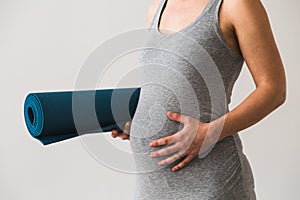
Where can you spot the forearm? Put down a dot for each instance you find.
(261, 102)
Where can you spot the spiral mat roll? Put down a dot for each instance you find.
(49, 116)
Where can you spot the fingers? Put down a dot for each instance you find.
(177, 117)
(114, 133)
(163, 141)
(127, 127)
(183, 163)
(165, 151)
(184, 141)
(172, 158)
(123, 135)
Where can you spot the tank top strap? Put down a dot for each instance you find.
(214, 15)
(156, 16)
(212, 8)
(213, 4)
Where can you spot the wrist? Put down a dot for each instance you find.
(215, 129)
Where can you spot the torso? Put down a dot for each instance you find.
(191, 72)
(180, 13)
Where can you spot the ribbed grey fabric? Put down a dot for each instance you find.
(178, 75)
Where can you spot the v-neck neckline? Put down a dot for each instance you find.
(161, 10)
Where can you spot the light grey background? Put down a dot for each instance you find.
(42, 46)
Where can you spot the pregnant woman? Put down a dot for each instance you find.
(178, 153)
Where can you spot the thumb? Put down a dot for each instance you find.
(176, 116)
(127, 127)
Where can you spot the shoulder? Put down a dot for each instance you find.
(242, 5)
(152, 9)
(244, 11)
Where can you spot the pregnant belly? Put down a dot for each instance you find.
(151, 122)
(165, 89)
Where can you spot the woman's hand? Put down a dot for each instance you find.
(187, 142)
(124, 135)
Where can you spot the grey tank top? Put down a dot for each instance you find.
(192, 72)
(199, 54)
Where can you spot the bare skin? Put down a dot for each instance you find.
(124, 135)
(246, 28)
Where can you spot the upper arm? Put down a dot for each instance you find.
(256, 42)
(151, 11)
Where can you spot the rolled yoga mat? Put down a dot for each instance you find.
(55, 116)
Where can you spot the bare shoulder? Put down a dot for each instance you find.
(244, 11)
(152, 9)
(243, 19)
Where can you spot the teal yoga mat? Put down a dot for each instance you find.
(56, 116)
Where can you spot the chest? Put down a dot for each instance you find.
(176, 16)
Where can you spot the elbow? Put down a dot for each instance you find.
(277, 94)
(280, 96)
